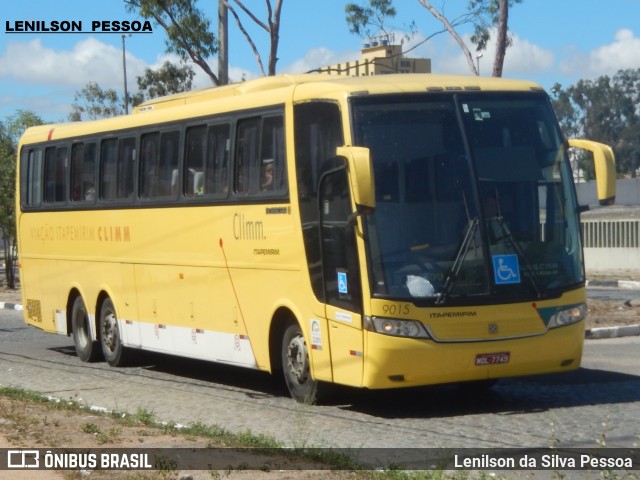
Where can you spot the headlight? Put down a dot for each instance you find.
(396, 328)
(568, 316)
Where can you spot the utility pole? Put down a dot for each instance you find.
(223, 45)
(124, 71)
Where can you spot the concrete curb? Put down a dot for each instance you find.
(10, 306)
(625, 284)
(612, 332)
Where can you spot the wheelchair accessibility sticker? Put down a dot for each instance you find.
(342, 283)
(506, 269)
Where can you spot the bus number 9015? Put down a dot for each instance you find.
(396, 308)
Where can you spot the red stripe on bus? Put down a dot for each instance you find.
(50, 134)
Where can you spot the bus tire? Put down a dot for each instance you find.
(86, 348)
(110, 338)
(296, 368)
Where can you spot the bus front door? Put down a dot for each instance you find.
(341, 277)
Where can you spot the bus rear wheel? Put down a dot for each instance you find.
(110, 338)
(86, 348)
(296, 367)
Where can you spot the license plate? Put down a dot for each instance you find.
(492, 358)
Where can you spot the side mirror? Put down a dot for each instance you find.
(605, 168)
(361, 176)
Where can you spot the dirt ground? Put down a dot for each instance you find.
(30, 424)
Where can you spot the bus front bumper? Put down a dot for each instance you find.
(393, 362)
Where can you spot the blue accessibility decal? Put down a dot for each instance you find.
(506, 269)
(342, 283)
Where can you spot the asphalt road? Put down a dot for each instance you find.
(601, 399)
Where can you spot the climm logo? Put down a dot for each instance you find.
(244, 229)
(114, 234)
(81, 233)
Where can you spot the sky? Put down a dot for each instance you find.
(554, 41)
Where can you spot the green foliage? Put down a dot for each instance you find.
(166, 80)
(606, 110)
(146, 417)
(90, 428)
(10, 132)
(361, 19)
(485, 15)
(7, 183)
(186, 26)
(188, 29)
(94, 103)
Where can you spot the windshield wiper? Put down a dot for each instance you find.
(511, 241)
(454, 271)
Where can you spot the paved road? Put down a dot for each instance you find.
(573, 409)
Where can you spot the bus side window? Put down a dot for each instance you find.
(207, 161)
(159, 160)
(247, 155)
(125, 169)
(168, 177)
(272, 157)
(55, 174)
(196, 151)
(217, 168)
(83, 172)
(150, 146)
(33, 173)
(260, 156)
(108, 169)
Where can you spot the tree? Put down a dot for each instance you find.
(607, 110)
(187, 28)
(10, 133)
(360, 19)
(484, 15)
(166, 80)
(95, 103)
(189, 35)
(271, 26)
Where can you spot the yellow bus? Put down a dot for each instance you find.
(375, 232)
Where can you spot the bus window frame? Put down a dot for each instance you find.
(205, 196)
(84, 198)
(55, 159)
(136, 200)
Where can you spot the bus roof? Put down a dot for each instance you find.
(390, 83)
(248, 94)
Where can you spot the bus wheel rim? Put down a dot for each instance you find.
(297, 359)
(109, 331)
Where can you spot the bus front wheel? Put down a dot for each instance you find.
(110, 337)
(296, 367)
(86, 348)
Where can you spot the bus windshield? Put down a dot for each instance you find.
(473, 198)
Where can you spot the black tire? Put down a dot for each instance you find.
(114, 352)
(296, 369)
(86, 348)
